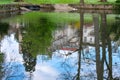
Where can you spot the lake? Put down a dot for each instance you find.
(39, 45)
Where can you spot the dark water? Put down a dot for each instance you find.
(59, 46)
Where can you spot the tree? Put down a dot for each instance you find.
(103, 0)
(18, 0)
(1, 67)
(97, 47)
(81, 1)
(80, 44)
(105, 40)
(38, 36)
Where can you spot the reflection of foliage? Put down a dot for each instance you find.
(36, 39)
(38, 36)
(117, 1)
(1, 61)
(3, 28)
(30, 62)
(117, 7)
(115, 28)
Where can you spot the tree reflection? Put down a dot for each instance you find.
(103, 41)
(29, 61)
(1, 62)
(97, 47)
(102, 35)
(37, 37)
(115, 28)
(80, 44)
(36, 40)
(3, 29)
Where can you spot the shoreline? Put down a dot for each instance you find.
(64, 7)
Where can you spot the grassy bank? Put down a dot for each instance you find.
(57, 1)
(6, 1)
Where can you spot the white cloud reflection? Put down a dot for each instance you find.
(45, 72)
(12, 59)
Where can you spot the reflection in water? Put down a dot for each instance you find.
(3, 29)
(1, 62)
(29, 63)
(43, 48)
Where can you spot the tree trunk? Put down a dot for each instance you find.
(97, 47)
(103, 39)
(80, 44)
(110, 59)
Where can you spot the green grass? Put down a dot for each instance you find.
(54, 17)
(98, 2)
(58, 1)
(6, 1)
(51, 1)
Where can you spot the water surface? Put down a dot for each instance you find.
(46, 45)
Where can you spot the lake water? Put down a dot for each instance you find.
(59, 45)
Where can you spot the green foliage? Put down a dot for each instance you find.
(38, 30)
(3, 28)
(117, 1)
(115, 28)
(6, 1)
(38, 36)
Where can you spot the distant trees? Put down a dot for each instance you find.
(81, 1)
(103, 0)
(117, 1)
(18, 0)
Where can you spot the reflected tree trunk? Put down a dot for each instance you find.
(103, 40)
(80, 44)
(97, 47)
(110, 59)
(29, 60)
(106, 39)
(1, 63)
(1, 72)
